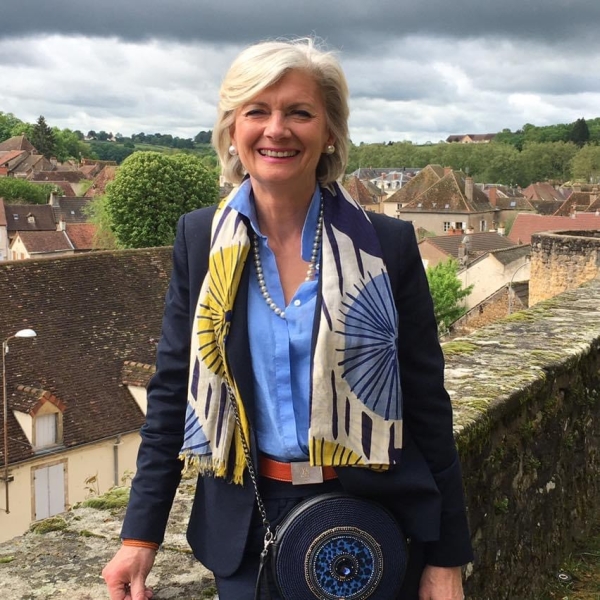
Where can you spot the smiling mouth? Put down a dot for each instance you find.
(278, 153)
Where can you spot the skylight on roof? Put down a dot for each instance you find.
(513, 203)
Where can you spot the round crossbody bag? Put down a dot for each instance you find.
(337, 546)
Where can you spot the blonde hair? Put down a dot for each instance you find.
(260, 66)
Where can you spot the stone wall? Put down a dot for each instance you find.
(562, 261)
(526, 393)
(526, 396)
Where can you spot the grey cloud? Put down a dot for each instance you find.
(354, 25)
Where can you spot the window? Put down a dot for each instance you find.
(482, 226)
(46, 430)
(447, 225)
(460, 225)
(16, 217)
(513, 203)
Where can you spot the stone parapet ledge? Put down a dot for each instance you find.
(526, 397)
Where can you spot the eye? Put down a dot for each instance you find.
(303, 114)
(255, 112)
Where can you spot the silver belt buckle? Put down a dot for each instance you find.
(303, 473)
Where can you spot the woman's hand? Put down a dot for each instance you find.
(441, 583)
(126, 573)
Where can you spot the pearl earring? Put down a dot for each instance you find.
(232, 150)
(329, 149)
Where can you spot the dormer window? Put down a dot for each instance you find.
(31, 219)
(16, 217)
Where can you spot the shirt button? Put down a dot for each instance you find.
(297, 302)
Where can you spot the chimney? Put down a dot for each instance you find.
(501, 229)
(576, 187)
(53, 199)
(53, 161)
(62, 225)
(469, 188)
(447, 171)
(493, 196)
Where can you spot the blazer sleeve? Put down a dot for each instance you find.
(158, 466)
(427, 411)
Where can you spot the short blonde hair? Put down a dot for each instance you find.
(260, 66)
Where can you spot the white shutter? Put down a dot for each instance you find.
(42, 508)
(49, 491)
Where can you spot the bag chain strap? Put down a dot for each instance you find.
(269, 535)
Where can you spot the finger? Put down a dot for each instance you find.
(117, 591)
(138, 590)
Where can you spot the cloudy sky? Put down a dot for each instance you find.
(417, 71)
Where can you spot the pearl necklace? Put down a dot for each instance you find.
(310, 273)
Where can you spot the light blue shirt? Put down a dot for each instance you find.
(280, 348)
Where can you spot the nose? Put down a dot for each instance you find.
(276, 127)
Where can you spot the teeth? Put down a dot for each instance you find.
(274, 154)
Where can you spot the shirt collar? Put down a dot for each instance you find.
(243, 202)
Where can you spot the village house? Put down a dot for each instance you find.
(441, 200)
(470, 138)
(75, 392)
(44, 230)
(488, 261)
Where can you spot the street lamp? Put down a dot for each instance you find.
(22, 333)
(510, 285)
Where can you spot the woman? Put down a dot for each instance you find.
(317, 321)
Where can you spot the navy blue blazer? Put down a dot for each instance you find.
(424, 491)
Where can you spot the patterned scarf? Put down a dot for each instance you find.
(356, 400)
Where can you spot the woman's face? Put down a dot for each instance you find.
(281, 133)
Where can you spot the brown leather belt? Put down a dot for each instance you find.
(297, 473)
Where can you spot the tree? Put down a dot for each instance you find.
(69, 145)
(151, 191)
(8, 122)
(580, 134)
(586, 164)
(97, 213)
(19, 191)
(43, 138)
(447, 293)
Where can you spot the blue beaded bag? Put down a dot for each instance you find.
(337, 546)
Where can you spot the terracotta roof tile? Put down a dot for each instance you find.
(139, 374)
(448, 194)
(105, 176)
(92, 312)
(480, 243)
(359, 192)
(29, 400)
(70, 176)
(43, 242)
(7, 156)
(527, 224)
(81, 235)
(19, 142)
(420, 183)
(542, 191)
(579, 202)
